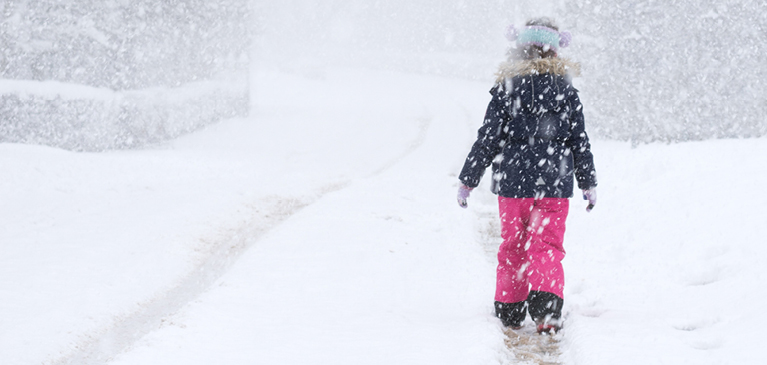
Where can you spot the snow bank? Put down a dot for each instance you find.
(669, 265)
(83, 118)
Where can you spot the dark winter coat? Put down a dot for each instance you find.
(534, 132)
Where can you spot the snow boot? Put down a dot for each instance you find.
(548, 327)
(511, 314)
(546, 311)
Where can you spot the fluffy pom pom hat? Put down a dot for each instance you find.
(540, 35)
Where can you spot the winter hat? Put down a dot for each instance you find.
(539, 35)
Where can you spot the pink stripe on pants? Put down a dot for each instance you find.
(530, 257)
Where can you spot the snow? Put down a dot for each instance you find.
(84, 118)
(55, 89)
(675, 246)
(105, 75)
(323, 228)
(332, 235)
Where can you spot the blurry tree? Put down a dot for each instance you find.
(125, 46)
(672, 71)
(653, 70)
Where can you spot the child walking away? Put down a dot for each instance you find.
(535, 138)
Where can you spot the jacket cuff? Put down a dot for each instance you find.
(470, 183)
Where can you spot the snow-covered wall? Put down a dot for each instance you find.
(85, 118)
(125, 73)
(653, 70)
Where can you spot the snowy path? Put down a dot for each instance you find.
(324, 230)
(217, 254)
(368, 274)
(353, 278)
(183, 214)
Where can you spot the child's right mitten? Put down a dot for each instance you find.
(591, 196)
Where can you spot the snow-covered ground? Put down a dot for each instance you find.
(324, 230)
(669, 270)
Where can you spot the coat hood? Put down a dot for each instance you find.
(557, 66)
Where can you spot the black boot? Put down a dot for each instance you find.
(546, 310)
(511, 314)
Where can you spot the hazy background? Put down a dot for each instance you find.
(95, 75)
(653, 70)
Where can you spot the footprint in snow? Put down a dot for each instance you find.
(704, 277)
(708, 344)
(695, 324)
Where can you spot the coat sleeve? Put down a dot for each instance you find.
(579, 146)
(490, 139)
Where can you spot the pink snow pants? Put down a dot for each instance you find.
(530, 257)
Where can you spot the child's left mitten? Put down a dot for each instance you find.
(463, 195)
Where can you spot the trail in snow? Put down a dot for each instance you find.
(367, 274)
(101, 346)
(98, 248)
(423, 127)
(529, 347)
(135, 235)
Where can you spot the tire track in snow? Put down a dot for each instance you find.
(101, 346)
(423, 126)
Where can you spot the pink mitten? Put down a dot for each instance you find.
(463, 195)
(591, 196)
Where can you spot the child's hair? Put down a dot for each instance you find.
(534, 51)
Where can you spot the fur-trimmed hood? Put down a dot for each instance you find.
(557, 66)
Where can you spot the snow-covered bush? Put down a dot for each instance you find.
(126, 72)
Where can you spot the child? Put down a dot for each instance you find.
(534, 135)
